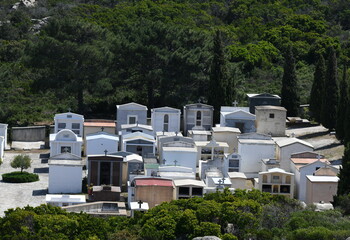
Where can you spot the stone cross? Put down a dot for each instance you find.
(223, 180)
(220, 181)
(65, 149)
(175, 161)
(140, 203)
(105, 152)
(235, 103)
(199, 100)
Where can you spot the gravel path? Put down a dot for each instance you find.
(22, 194)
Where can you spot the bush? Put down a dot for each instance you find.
(20, 177)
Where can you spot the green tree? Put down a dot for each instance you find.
(317, 89)
(344, 174)
(331, 93)
(72, 57)
(289, 93)
(342, 106)
(218, 83)
(22, 162)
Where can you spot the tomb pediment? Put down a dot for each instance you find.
(131, 106)
(66, 135)
(166, 110)
(65, 156)
(240, 114)
(69, 115)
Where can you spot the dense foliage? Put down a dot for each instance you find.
(20, 177)
(87, 55)
(241, 215)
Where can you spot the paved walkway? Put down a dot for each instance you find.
(22, 194)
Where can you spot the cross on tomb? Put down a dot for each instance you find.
(69, 109)
(105, 152)
(199, 100)
(102, 128)
(220, 181)
(223, 180)
(65, 149)
(175, 161)
(235, 103)
(140, 203)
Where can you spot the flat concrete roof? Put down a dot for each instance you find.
(322, 178)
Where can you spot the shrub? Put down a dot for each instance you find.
(20, 177)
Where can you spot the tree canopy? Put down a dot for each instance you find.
(88, 55)
(21, 161)
(242, 215)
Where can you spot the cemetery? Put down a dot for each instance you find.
(157, 159)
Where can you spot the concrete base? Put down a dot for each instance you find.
(16, 145)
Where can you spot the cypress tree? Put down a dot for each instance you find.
(344, 174)
(346, 121)
(331, 93)
(342, 106)
(317, 89)
(289, 93)
(218, 77)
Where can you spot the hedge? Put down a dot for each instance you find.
(20, 177)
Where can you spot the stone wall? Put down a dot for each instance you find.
(29, 134)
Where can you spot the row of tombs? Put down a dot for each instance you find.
(174, 166)
(156, 163)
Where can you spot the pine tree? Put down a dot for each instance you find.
(344, 174)
(218, 77)
(289, 93)
(342, 106)
(317, 89)
(331, 93)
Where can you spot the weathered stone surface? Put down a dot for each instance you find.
(207, 238)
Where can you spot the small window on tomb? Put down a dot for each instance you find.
(197, 191)
(184, 191)
(132, 119)
(69, 116)
(139, 150)
(199, 118)
(272, 115)
(166, 123)
(275, 179)
(61, 125)
(66, 149)
(76, 128)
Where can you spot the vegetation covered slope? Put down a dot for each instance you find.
(243, 215)
(87, 55)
